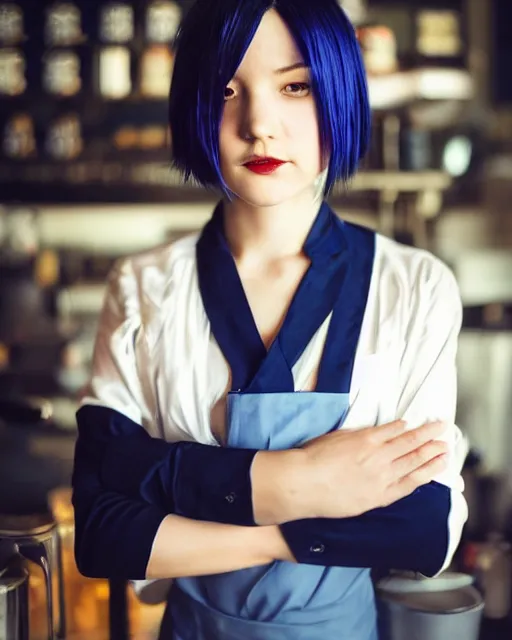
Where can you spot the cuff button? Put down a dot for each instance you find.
(317, 548)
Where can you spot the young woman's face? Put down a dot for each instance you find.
(270, 112)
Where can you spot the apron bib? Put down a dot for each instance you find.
(284, 601)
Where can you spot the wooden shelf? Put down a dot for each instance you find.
(401, 181)
(429, 83)
(168, 189)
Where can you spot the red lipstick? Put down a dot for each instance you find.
(263, 166)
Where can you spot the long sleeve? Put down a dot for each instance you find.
(422, 531)
(115, 529)
(165, 473)
(113, 534)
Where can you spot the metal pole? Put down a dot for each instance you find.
(118, 611)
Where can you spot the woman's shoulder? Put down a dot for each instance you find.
(411, 267)
(413, 292)
(163, 258)
(411, 287)
(146, 276)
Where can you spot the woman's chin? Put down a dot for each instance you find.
(268, 195)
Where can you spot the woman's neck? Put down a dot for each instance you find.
(268, 233)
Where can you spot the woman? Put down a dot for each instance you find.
(207, 341)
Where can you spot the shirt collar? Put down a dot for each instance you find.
(324, 240)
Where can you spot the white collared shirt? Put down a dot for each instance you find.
(157, 362)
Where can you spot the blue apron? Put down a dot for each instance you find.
(283, 601)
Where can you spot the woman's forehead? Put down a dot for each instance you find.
(273, 48)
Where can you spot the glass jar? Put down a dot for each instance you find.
(439, 33)
(114, 72)
(117, 23)
(64, 138)
(11, 23)
(380, 49)
(12, 72)
(63, 26)
(156, 71)
(163, 19)
(61, 74)
(19, 139)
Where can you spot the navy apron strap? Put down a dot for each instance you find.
(312, 303)
(226, 305)
(253, 370)
(337, 363)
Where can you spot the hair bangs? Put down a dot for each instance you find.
(327, 40)
(211, 44)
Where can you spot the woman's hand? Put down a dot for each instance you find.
(346, 472)
(353, 471)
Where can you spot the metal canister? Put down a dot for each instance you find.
(448, 606)
(14, 612)
(36, 539)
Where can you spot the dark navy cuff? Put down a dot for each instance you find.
(411, 535)
(193, 480)
(115, 537)
(213, 483)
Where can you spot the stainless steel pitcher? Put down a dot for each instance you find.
(14, 604)
(34, 538)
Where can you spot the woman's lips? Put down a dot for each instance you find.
(264, 166)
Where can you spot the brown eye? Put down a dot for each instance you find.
(297, 89)
(229, 93)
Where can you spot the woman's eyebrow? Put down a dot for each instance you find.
(297, 65)
(282, 70)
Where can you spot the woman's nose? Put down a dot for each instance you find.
(259, 120)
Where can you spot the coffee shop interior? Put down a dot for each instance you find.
(86, 178)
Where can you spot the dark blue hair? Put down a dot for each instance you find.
(212, 41)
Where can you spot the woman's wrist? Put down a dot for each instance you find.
(274, 544)
(278, 487)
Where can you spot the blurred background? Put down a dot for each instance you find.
(85, 178)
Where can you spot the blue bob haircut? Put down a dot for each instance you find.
(212, 41)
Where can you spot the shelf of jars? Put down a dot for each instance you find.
(83, 93)
(84, 88)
